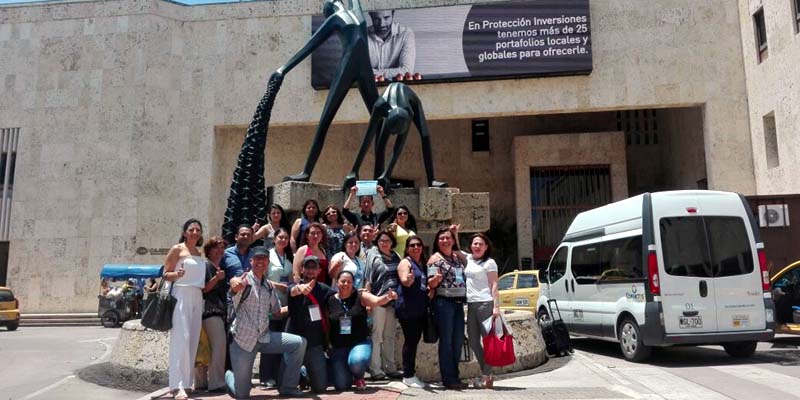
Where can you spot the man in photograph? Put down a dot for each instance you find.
(392, 49)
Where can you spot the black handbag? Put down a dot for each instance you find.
(430, 334)
(157, 313)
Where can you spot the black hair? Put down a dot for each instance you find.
(339, 275)
(303, 210)
(348, 236)
(238, 228)
(384, 232)
(488, 253)
(284, 222)
(339, 218)
(411, 223)
(423, 258)
(186, 226)
(439, 233)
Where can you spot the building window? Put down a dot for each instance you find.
(771, 141)
(480, 135)
(796, 9)
(760, 27)
(9, 137)
(640, 126)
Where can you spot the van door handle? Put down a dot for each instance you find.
(566, 285)
(703, 288)
(573, 286)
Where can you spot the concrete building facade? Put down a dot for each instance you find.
(130, 114)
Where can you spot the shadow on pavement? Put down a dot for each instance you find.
(783, 351)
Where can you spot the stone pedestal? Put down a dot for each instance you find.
(432, 207)
(141, 355)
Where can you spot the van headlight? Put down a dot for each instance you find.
(770, 315)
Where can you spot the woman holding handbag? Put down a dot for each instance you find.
(186, 269)
(412, 306)
(482, 300)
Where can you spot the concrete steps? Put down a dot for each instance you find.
(66, 319)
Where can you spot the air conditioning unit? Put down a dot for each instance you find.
(772, 215)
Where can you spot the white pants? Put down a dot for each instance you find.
(184, 336)
(384, 335)
(215, 329)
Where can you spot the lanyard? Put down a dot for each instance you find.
(344, 306)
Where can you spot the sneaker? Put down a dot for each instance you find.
(414, 382)
(270, 384)
(378, 377)
(477, 383)
(361, 384)
(292, 393)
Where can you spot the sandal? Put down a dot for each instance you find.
(181, 395)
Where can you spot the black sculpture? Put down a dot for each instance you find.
(354, 67)
(247, 201)
(392, 114)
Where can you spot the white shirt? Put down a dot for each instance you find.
(478, 279)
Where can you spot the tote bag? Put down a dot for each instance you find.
(157, 313)
(498, 351)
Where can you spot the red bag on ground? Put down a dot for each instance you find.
(498, 351)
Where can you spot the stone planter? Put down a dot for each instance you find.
(141, 355)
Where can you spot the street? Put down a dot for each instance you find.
(41, 363)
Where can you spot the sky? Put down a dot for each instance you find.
(189, 2)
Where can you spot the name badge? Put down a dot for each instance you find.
(345, 326)
(432, 271)
(459, 276)
(313, 312)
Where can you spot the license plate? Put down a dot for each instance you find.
(690, 322)
(522, 302)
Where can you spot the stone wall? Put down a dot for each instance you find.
(773, 86)
(118, 104)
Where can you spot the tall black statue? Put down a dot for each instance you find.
(354, 67)
(393, 114)
(247, 201)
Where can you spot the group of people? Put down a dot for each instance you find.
(321, 299)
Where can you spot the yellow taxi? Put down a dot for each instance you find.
(9, 309)
(786, 294)
(519, 290)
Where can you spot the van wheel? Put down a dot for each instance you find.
(12, 326)
(740, 349)
(542, 316)
(110, 319)
(631, 342)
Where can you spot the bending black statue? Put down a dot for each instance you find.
(354, 67)
(247, 201)
(392, 114)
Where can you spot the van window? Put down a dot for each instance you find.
(558, 266)
(527, 281)
(691, 243)
(505, 282)
(730, 246)
(622, 260)
(586, 266)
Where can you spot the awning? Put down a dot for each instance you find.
(125, 271)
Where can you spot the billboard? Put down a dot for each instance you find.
(470, 42)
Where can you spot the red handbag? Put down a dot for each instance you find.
(498, 352)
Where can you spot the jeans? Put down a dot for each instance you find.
(412, 332)
(269, 366)
(477, 312)
(293, 348)
(317, 368)
(348, 363)
(384, 335)
(450, 321)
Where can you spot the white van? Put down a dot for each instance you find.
(661, 269)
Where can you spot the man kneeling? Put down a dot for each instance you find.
(254, 300)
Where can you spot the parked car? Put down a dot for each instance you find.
(660, 269)
(786, 293)
(9, 309)
(519, 290)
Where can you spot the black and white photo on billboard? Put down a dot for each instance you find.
(470, 42)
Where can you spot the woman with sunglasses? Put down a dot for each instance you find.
(412, 305)
(332, 218)
(309, 215)
(402, 226)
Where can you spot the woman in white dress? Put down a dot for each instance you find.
(185, 267)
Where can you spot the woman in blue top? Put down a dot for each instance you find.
(309, 215)
(411, 306)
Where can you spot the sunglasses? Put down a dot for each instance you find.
(412, 245)
(332, 212)
(402, 213)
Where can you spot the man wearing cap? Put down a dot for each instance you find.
(254, 301)
(308, 317)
